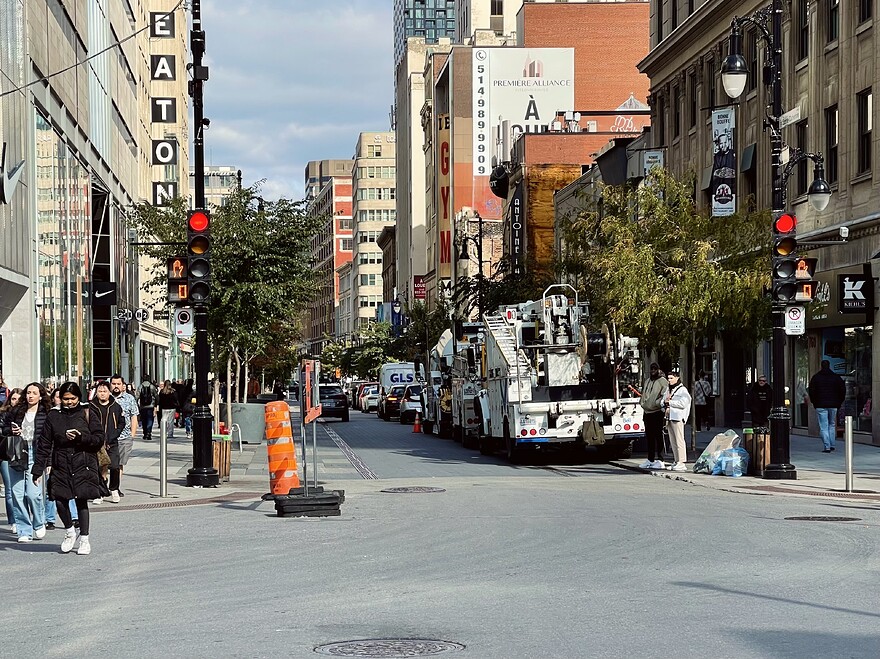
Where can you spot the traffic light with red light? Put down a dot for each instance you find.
(198, 251)
(792, 274)
(178, 287)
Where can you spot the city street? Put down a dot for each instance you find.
(533, 561)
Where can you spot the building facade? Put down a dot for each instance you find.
(428, 19)
(331, 249)
(828, 74)
(374, 195)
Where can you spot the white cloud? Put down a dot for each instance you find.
(293, 81)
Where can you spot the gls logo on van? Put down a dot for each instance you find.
(402, 378)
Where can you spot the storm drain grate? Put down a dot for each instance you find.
(413, 490)
(847, 495)
(825, 518)
(389, 647)
(225, 498)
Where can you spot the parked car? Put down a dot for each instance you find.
(360, 390)
(369, 400)
(351, 390)
(411, 403)
(389, 404)
(334, 402)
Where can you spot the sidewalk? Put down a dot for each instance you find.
(249, 471)
(819, 474)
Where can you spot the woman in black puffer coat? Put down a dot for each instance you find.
(71, 440)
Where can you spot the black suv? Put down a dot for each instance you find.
(389, 404)
(334, 402)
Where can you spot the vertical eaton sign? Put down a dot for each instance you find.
(163, 110)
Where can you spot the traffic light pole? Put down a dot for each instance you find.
(203, 473)
(780, 467)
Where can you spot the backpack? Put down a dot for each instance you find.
(145, 399)
(4, 394)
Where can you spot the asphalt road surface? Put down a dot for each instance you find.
(538, 561)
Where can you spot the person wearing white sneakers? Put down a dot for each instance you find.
(653, 396)
(71, 439)
(113, 421)
(678, 408)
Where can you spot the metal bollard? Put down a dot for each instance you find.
(163, 460)
(848, 436)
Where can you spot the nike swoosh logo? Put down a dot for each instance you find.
(103, 293)
(8, 182)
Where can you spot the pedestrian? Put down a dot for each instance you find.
(10, 401)
(827, 392)
(70, 441)
(185, 406)
(148, 398)
(652, 399)
(278, 390)
(678, 408)
(130, 412)
(112, 422)
(167, 408)
(26, 420)
(702, 392)
(760, 401)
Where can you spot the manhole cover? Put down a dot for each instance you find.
(413, 490)
(819, 518)
(389, 647)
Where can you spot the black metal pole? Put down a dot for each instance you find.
(480, 308)
(780, 467)
(203, 473)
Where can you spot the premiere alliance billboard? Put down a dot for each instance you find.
(523, 86)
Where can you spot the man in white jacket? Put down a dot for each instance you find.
(678, 408)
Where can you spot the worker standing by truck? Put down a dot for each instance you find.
(653, 398)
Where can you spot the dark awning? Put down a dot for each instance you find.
(748, 158)
(706, 178)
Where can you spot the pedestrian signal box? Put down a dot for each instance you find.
(178, 288)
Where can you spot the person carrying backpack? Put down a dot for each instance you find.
(148, 398)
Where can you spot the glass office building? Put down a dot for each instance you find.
(430, 19)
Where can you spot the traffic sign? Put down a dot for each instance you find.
(183, 322)
(161, 314)
(141, 315)
(124, 314)
(795, 321)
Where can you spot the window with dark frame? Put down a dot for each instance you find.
(800, 129)
(752, 46)
(803, 34)
(676, 112)
(833, 21)
(710, 84)
(831, 137)
(661, 122)
(690, 7)
(693, 100)
(673, 13)
(659, 6)
(864, 123)
(866, 10)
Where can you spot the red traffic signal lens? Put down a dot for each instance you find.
(785, 223)
(198, 221)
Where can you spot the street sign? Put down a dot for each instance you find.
(141, 315)
(183, 322)
(161, 314)
(790, 117)
(124, 314)
(795, 321)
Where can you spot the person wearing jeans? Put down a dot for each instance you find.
(827, 392)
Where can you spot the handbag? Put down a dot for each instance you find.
(103, 458)
(16, 452)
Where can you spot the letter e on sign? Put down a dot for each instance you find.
(161, 25)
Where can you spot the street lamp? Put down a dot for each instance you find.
(464, 258)
(734, 75)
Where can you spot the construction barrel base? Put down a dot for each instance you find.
(316, 504)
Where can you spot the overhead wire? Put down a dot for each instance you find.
(90, 57)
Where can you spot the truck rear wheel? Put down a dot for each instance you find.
(427, 427)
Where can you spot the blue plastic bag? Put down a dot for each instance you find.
(732, 462)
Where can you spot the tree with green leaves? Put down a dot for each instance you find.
(375, 349)
(261, 272)
(663, 270)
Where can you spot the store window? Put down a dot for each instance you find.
(801, 402)
(849, 351)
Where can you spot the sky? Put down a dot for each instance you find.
(293, 81)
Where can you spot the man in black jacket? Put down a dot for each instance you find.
(827, 392)
(760, 402)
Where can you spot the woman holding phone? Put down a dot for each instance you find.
(71, 439)
(26, 420)
(11, 400)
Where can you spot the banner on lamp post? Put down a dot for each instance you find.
(723, 184)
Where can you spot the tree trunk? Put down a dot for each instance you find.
(229, 385)
(237, 375)
(246, 379)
